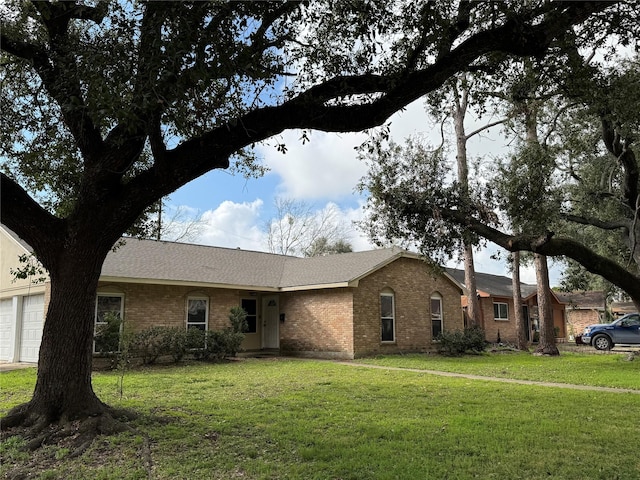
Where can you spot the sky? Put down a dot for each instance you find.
(322, 172)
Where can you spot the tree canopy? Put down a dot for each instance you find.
(573, 195)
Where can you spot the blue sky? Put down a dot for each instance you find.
(322, 172)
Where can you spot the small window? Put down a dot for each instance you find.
(500, 311)
(436, 316)
(250, 305)
(197, 313)
(108, 323)
(387, 317)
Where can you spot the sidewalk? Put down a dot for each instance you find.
(8, 367)
(495, 379)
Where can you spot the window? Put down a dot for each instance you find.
(108, 323)
(387, 317)
(197, 313)
(436, 316)
(250, 305)
(500, 311)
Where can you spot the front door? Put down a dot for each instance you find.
(270, 322)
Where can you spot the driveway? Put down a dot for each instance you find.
(8, 367)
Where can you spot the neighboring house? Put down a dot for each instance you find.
(583, 309)
(336, 306)
(495, 294)
(618, 309)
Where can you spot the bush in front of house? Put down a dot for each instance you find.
(471, 339)
(150, 343)
(154, 342)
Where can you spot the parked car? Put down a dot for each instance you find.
(604, 336)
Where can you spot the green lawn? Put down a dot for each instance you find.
(603, 370)
(302, 419)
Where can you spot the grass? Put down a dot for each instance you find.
(301, 419)
(604, 370)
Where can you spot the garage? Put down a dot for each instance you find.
(31, 331)
(21, 328)
(6, 322)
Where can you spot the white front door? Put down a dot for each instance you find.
(270, 322)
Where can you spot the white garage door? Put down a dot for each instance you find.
(32, 323)
(6, 326)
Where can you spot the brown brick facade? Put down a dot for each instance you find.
(578, 319)
(334, 322)
(412, 283)
(166, 305)
(505, 330)
(318, 323)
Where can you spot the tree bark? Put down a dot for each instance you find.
(521, 334)
(63, 390)
(473, 305)
(459, 112)
(547, 342)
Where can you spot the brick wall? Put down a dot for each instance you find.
(578, 319)
(317, 323)
(413, 284)
(506, 328)
(166, 305)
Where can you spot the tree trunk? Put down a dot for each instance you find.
(459, 112)
(63, 390)
(521, 334)
(473, 305)
(547, 343)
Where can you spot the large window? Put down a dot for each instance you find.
(197, 313)
(436, 316)
(500, 311)
(387, 317)
(250, 305)
(108, 323)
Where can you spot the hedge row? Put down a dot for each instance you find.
(113, 341)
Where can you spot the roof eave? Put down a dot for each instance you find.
(156, 281)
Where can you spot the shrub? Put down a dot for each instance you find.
(238, 319)
(176, 342)
(195, 342)
(460, 342)
(149, 344)
(107, 336)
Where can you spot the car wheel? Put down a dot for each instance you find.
(602, 342)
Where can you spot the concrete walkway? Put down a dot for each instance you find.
(8, 367)
(495, 379)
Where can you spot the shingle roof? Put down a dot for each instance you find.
(160, 261)
(493, 285)
(588, 299)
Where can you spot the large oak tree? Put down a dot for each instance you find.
(109, 106)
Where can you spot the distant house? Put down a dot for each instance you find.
(336, 306)
(583, 309)
(495, 294)
(618, 309)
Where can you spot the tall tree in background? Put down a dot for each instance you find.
(110, 106)
(598, 192)
(297, 229)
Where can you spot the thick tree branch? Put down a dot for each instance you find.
(57, 72)
(16, 205)
(594, 222)
(312, 109)
(555, 247)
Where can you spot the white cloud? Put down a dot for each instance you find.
(324, 168)
(233, 225)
